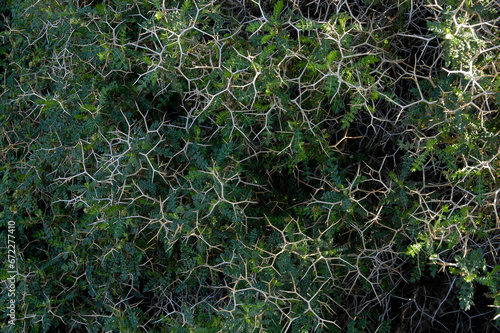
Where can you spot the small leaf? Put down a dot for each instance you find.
(266, 39)
(277, 9)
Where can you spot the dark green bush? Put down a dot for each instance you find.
(239, 166)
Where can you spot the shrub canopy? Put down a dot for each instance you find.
(252, 165)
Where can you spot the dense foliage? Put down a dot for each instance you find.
(252, 165)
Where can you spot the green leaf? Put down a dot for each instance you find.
(266, 38)
(277, 9)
